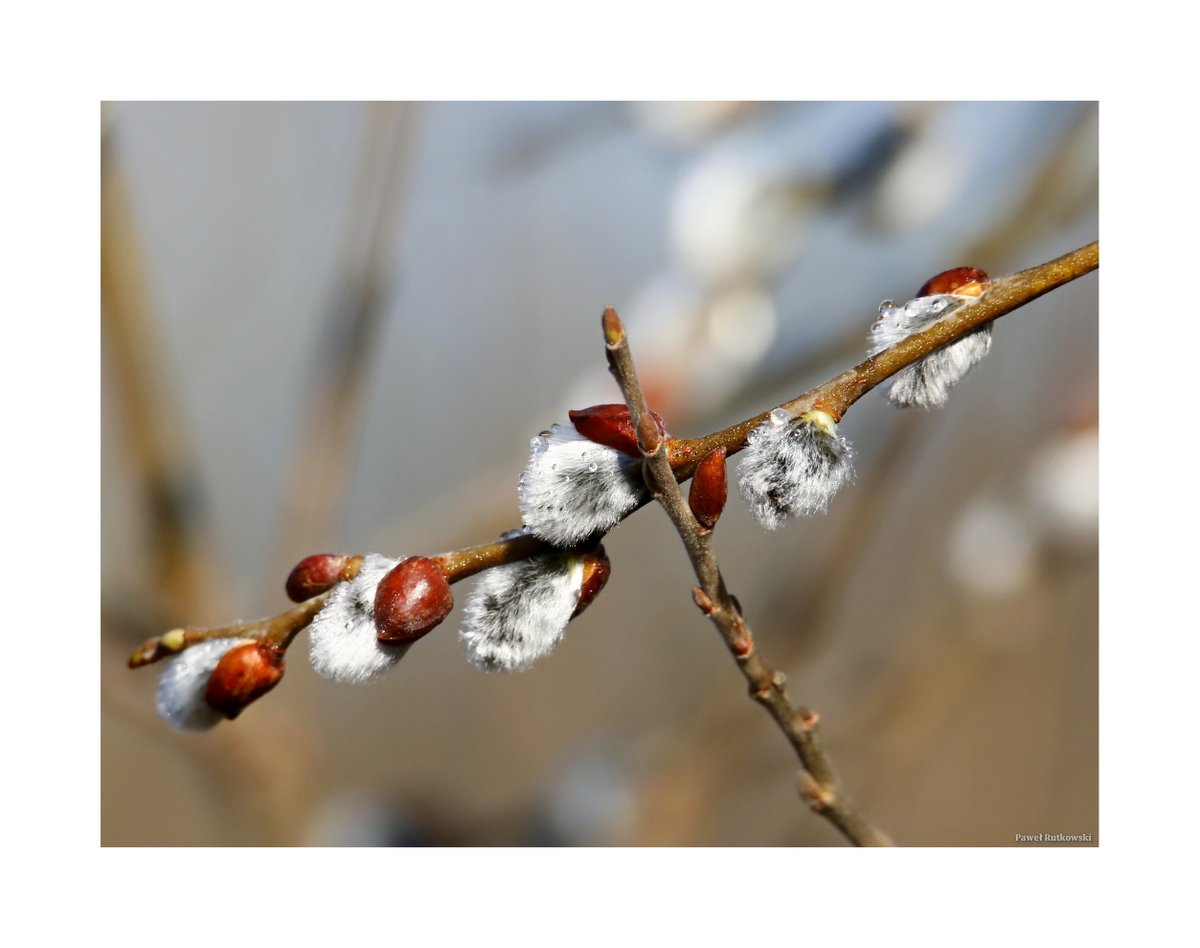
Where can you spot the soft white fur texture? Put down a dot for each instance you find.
(927, 383)
(342, 642)
(181, 685)
(517, 613)
(792, 467)
(573, 487)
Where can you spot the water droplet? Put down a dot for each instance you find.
(885, 308)
(593, 467)
(554, 467)
(923, 307)
(779, 417)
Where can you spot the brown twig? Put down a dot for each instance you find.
(681, 456)
(281, 629)
(1002, 296)
(819, 780)
(668, 462)
(277, 630)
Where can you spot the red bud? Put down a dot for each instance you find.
(709, 488)
(315, 574)
(610, 425)
(596, 570)
(411, 599)
(244, 674)
(962, 281)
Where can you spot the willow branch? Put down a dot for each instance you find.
(675, 460)
(1002, 296)
(281, 629)
(819, 780)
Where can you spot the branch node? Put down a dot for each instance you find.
(649, 434)
(702, 599)
(819, 796)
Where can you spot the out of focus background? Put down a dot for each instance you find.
(335, 326)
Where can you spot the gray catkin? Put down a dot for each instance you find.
(517, 612)
(927, 383)
(792, 467)
(573, 488)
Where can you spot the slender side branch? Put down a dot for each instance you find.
(819, 780)
(1002, 296)
(282, 628)
(276, 630)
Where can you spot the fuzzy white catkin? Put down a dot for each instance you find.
(342, 642)
(792, 467)
(573, 487)
(181, 685)
(517, 613)
(927, 383)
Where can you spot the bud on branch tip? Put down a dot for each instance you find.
(614, 332)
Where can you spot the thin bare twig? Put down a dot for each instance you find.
(819, 780)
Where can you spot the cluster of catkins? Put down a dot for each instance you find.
(582, 479)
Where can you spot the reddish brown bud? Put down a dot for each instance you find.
(961, 281)
(244, 674)
(411, 599)
(710, 488)
(614, 332)
(315, 574)
(596, 570)
(610, 426)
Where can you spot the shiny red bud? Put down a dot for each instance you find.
(244, 674)
(961, 281)
(411, 599)
(596, 570)
(315, 574)
(710, 489)
(610, 425)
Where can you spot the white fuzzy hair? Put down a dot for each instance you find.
(573, 487)
(927, 383)
(518, 612)
(793, 466)
(342, 642)
(181, 685)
